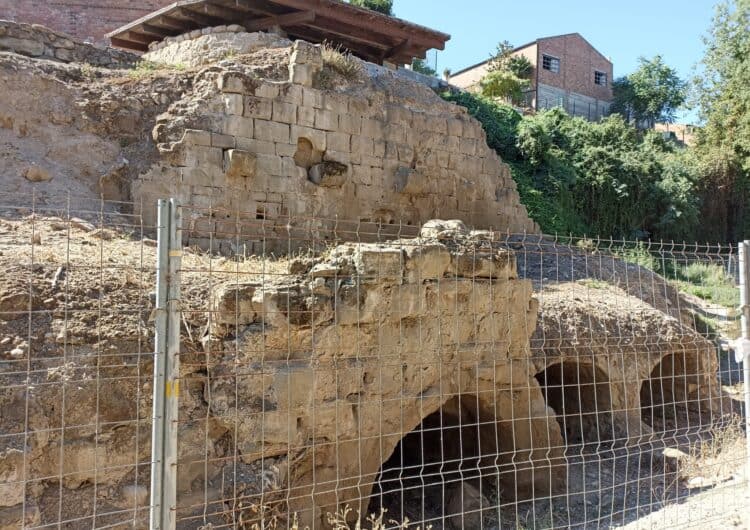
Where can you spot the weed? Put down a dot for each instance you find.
(709, 282)
(338, 63)
(88, 72)
(716, 458)
(594, 284)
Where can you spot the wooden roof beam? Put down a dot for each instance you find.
(397, 50)
(212, 9)
(128, 44)
(198, 18)
(156, 31)
(175, 23)
(390, 26)
(290, 19)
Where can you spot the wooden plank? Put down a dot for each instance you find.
(290, 19)
(353, 34)
(152, 29)
(398, 50)
(127, 44)
(219, 11)
(136, 36)
(175, 23)
(198, 18)
(377, 22)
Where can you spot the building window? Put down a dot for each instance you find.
(600, 78)
(551, 63)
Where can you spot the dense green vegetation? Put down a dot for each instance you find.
(611, 178)
(580, 177)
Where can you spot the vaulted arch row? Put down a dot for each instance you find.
(679, 392)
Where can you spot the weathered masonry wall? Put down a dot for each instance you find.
(43, 43)
(385, 152)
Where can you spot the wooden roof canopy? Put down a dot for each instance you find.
(368, 34)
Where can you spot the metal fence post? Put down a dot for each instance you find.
(744, 267)
(166, 368)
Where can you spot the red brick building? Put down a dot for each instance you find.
(85, 19)
(567, 72)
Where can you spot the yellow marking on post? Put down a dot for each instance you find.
(175, 253)
(173, 389)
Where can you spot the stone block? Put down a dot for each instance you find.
(271, 131)
(288, 150)
(193, 176)
(312, 98)
(269, 164)
(338, 141)
(200, 156)
(233, 82)
(426, 261)
(224, 141)
(234, 103)
(238, 126)
(284, 112)
(335, 102)
(379, 262)
(373, 128)
(363, 145)
(326, 120)
(350, 124)
(362, 175)
(291, 94)
(267, 90)
(196, 137)
(455, 127)
(258, 108)
(306, 116)
(411, 182)
(302, 74)
(232, 304)
(259, 147)
(238, 163)
(468, 146)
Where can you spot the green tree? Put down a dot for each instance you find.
(505, 85)
(504, 60)
(421, 66)
(381, 6)
(651, 94)
(724, 102)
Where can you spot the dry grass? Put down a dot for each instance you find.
(338, 64)
(264, 518)
(718, 457)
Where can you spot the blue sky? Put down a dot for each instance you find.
(620, 30)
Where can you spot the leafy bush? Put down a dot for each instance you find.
(381, 6)
(504, 85)
(499, 121)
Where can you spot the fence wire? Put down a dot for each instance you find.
(341, 372)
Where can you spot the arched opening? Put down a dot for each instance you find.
(670, 397)
(579, 394)
(449, 471)
(306, 155)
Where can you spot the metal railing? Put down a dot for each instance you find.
(313, 372)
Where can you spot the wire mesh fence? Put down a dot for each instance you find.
(332, 372)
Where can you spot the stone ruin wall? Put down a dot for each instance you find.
(43, 43)
(383, 155)
(437, 317)
(246, 154)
